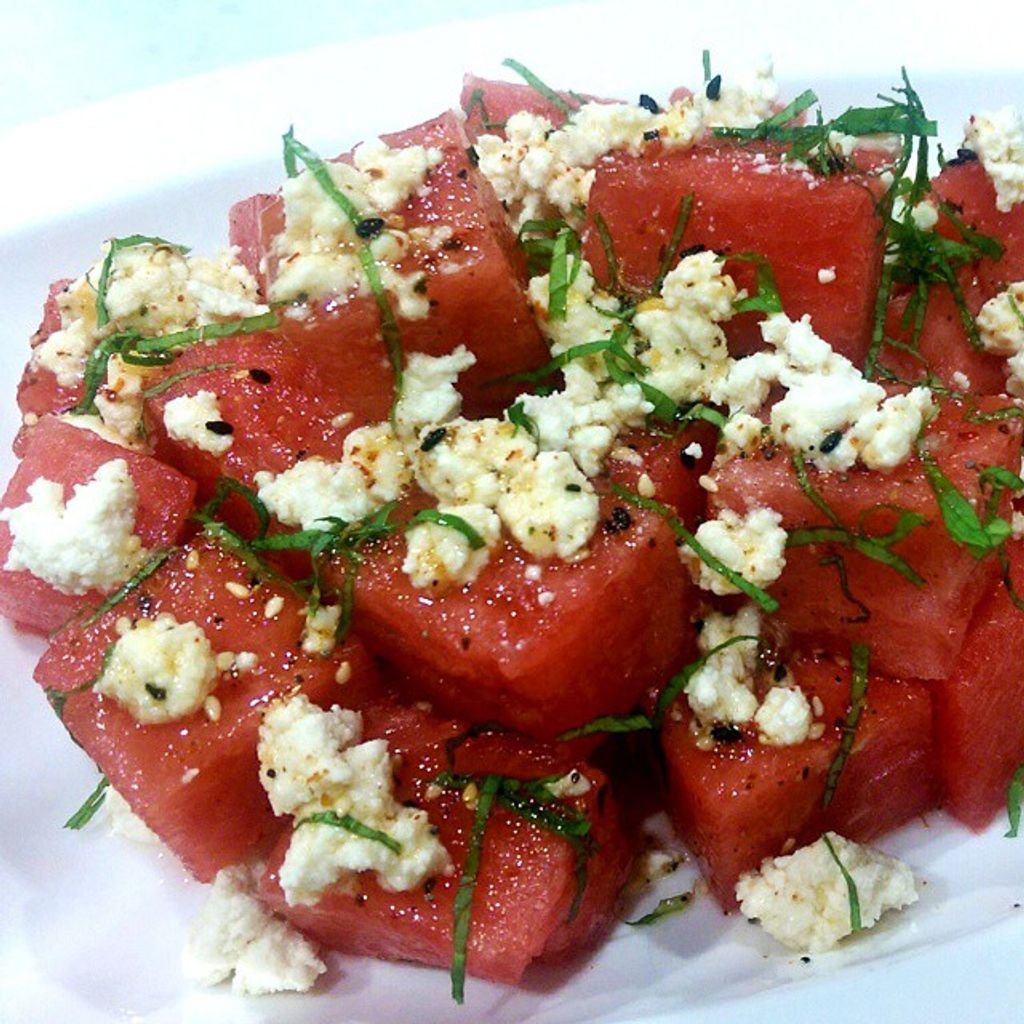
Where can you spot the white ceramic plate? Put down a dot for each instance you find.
(91, 927)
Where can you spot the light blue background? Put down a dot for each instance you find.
(59, 54)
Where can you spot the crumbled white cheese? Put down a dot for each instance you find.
(803, 900)
(86, 544)
(550, 507)
(825, 395)
(572, 784)
(998, 139)
(234, 934)
(1001, 328)
(124, 822)
(188, 419)
(441, 557)
(429, 396)
(753, 545)
(311, 761)
(742, 434)
(152, 289)
(319, 634)
(373, 471)
(318, 252)
(784, 717)
(826, 275)
(120, 400)
(159, 669)
(722, 689)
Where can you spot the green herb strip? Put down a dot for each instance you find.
(609, 724)
(562, 273)
(353, 825)
(762, 598)
(851, 886)
(177, 378)
(608, 245)
(540, 87)
(1014, 797)
(768, 299)
(116, 245)
(463, 905)
(675, 240)
(451, 522)
(517, 415)
(665, 908)
(92, 804)
(858, 696)
(151, 565)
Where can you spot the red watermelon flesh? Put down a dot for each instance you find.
(526, 883)
(980, 706)
(810, 594)
(195, 781)
(741, 802)
(745, 200)
(474, 285)
(492, 651)
(245, 231)
(70, 455)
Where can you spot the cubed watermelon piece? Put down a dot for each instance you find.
(980, 706)
(38, 390)
(741, 802)
(810, 593)
(539, 655)
(474, 283)
(195, 782)
(245, 229)
(69, 455)
(745, 200)
(526, 883)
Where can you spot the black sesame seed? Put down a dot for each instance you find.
(474, 157)
(963, 156)
(649, 104)
(573, 488)
(714, 88)
(692, 250)
(689, 461)
(462, 173)
(831, 442)
(651, 135)
(433, 439)
(619, 520)
(271, 773)
(452, 244)
(370, 227)
(219, 427)
(260, 376)
(780, 673)
(724, 733)
(156, 692)
(420, 287)
(805, 959)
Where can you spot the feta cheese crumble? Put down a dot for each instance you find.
(722, 689)
(312, 761)
(159, 669)
(753, 545)
(440, 557)
(429, 396)
(86, 544)
(235, 936)
(998, 139)
(1001, 328)
(803, 901)
(188, 419)
(784, 717)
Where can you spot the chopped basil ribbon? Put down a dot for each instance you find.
(476, 99)
(614, 344)
(706, 64)
(353, 825)
(1014, 796)
(762, 598)
(517, 415)
(665, 908)
(451, 522)
(463, 904)
(608, 245)
(317, 166)
(115, 246)
(149, 567)
(767, 300)
(92, 804)
(958, 514)
(540, 245)
(176, 378)
(540, 87)
(609, 724)
(776, 128)
(562, 273)
(675, 239)
(858, 693)
(851, 886)
(58, 698)
(875, 547)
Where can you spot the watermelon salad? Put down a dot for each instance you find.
(555, 458)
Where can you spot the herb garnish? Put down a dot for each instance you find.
(148, 568)
(562, 273)
(675, 240)
(858, 693)
(176, 378)
(115, 246)
(451, 522)
(560, 104)
(851, 886)
(609, 724)
(353, 825)
(1014, 796)
(665, 908)
(92, 804)
(762, 598)
(768, 299)
(518, 416)
(476, 99)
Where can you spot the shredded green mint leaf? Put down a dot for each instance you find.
(317, 166)
(762, 598)
(92, 804)
(609, 724)
(563, 272)
(1014, 796)
(665, 908)
(608, 245)
(540, 87)
(176, 378)
(775, 128)
(451, 522)
(353, 825)
(851, 886)
(116, 245)
(476, 100)
(388, 324)
(517, 415)
(861, 656)
(767, 300)
(668, 258)
(149, 567)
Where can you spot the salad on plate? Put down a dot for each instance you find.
(516, 474)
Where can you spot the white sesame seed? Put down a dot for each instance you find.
(239, 590)
(273, 607)
(211, 708)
